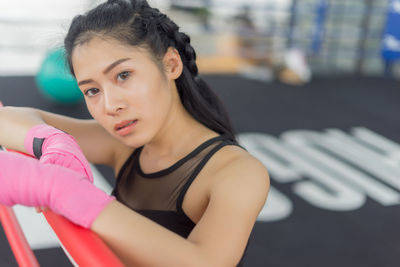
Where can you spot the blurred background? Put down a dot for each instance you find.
(333, 36)
(313, 90)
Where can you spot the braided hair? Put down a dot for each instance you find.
(135, 23)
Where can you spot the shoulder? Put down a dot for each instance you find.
(233, 159)
(237, 192)
(238, 172)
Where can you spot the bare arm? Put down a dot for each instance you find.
(96, 143)
(218, 239)
(98, 146)
(15, 123)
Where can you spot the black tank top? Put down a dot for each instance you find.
(159, 195)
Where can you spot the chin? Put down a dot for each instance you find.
(135, 140)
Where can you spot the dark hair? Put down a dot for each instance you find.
(135, 23)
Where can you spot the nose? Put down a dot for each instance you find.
(114, 101)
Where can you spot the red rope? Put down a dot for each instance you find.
(16, 238)
(83, 245)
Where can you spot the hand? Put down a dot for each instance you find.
(75, 160)
(57, 147)
(40, 209)
(64, 191)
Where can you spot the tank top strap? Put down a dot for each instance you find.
(123, 170)
(179, 163)
(197, 171)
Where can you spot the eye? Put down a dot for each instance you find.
(91, 92)
(124, 75)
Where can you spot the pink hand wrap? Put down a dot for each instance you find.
(54, 146)
(28, 182)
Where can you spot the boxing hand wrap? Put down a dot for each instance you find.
(28, 182)
(53, 146)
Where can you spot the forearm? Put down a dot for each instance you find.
(87, 133)
(65, 123)
(139, 241)
(15, 123)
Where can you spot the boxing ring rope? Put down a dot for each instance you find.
(16, 238)
(82, 246)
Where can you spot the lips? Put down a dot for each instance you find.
(123, 124)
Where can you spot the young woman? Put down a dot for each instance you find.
(186, 194)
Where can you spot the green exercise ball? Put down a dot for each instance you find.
(55, 81)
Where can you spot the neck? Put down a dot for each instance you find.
(180, 134)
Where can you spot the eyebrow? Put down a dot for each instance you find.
(107, 70)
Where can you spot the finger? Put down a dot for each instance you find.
(40, 209)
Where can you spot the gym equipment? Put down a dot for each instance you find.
(55, 81)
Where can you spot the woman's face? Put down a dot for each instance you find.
(124, 89)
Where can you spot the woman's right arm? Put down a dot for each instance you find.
(98, 146)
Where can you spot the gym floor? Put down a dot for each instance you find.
(324, 209)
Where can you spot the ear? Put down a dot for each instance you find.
(173, 63)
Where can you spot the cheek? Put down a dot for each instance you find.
(90, 108)
(161, 110)
(161, 102)
(94, 111)
(154, 98)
